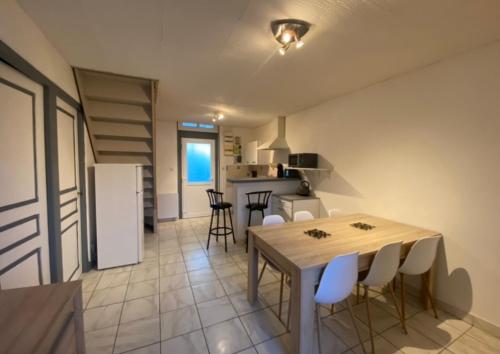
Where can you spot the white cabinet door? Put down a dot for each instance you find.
(310, 205)
(250, 156)
(24, 250)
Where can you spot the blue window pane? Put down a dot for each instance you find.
(206, 126)
(199, 163)
(189, 125)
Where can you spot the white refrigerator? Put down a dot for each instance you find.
(119, 214)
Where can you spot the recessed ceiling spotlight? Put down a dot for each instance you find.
(288, 32)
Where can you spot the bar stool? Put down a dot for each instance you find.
(217, 204)
(257, 201)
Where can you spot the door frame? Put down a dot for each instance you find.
(51, 91)
(195, 135)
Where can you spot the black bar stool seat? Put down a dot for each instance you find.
(257, 201)
(218, 204)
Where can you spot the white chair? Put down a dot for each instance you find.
(273, 220)
(418, 262)
(302, 216)
(333, 212)
(335, 286)
(382, 271)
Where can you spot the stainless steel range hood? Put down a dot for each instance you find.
(278, 143)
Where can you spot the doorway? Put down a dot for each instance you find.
(198, 172)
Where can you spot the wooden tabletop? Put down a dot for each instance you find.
(28, 316)
(289, 243)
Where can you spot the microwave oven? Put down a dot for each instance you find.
(303, 160)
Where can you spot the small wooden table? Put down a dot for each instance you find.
(303, 257)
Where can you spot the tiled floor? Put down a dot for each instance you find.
(185, 300)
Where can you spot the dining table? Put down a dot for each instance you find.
(303, 257)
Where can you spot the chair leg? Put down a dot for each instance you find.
(403, 309)
(367, 301)
(218, 225)
(357, 293)
(318, 322)
(391, 290)
(210, 228)
(225, 229)
(289, 314)
(425, 283)
(332, 309)
(351, 312)
(282, 284)
(261, 273)
(231, 222)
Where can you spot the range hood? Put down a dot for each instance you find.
(278, 143)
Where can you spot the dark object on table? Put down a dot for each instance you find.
(317, 233)
(362, 226)
(304, 188)
(280, 171)
(289, 173)
(254, 173)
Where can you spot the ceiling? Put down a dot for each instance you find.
(220, 54)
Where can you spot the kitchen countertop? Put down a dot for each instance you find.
(260, 179)
(292, 197)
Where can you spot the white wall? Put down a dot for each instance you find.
(424, 149)
(166, 168)
(20, 33)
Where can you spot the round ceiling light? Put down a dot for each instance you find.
(289, 32)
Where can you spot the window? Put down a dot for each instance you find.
(198, 127)
(189, 124)
(199, 163)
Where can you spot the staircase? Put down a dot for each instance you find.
(120, 116)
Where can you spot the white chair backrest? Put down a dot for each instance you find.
(384, 266)
(302, 216)
(333, 212)
(273, 220)
(338, 279)
(421, 256)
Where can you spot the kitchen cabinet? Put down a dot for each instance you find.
(250, 153)
(287, 205)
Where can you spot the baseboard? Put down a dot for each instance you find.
(167, 220)
(468, 317)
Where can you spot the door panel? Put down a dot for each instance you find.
(69, 197)
(198, 175)
(24, 251)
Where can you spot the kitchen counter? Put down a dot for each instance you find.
(260, 179)
(292, 197)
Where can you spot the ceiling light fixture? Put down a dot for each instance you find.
(288, 32)
(217, 116)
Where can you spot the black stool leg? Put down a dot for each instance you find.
(210, 228)
(218, 225)
(231, 222)
(249, 222)
(225, 230)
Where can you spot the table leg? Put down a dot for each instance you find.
(431, 274)
(302, 301)
(253, 269)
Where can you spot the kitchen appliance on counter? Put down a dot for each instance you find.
(291, 174)
(303, 160)
(280, 171)
(304, 188)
